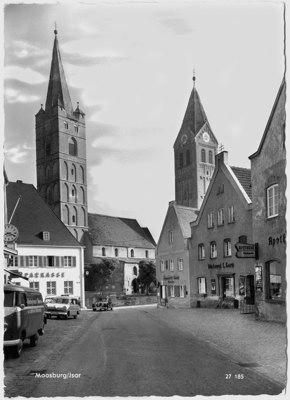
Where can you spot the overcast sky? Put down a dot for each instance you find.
(130, 65)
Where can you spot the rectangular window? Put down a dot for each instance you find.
(227, 248)
(68, 287)
(274, 281)
(170, 237)
(171, 291)
(213, 286)
(231, 214)
(201, 284)
(50, 261)
(201, 251)
(171, 265)
(210, 220)
(166, 264)
(213, 250)
(221, 217)
(13, 261)
(272, 201)
(32, 261)
(162, 265)
(180, 264)
(76, 128)
(51, 287)
(34, 285)
(229, 286)
(67, 261)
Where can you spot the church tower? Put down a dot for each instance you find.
(61, 151)
(194, 154)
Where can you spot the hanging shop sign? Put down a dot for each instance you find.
(221, 265)
(246, 250)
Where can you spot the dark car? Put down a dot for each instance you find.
(103, 304)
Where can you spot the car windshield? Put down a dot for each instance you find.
(61, 300)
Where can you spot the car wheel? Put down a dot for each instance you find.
(34, 340)
(17, 350)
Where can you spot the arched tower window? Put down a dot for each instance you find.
(72, 147)
(74, 194)
(181, 160)
(83, 217)
(135, 271)
(116, 252)
(203, 155)
(83, 200)
(65, 171)
(66, 215)
(188, 157)
(74, 173)
(82, 174)
(210, 159)
(66, 192)
(132, 253)
(74, 217)
(103, 251)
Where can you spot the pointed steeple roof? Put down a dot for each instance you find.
(57, 93)
(194, 117)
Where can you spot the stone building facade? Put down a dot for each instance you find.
(224, 221)
(61, 152)
(268, 165)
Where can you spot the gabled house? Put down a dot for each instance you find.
(122, 240)
(172, 257)
(224, 222)
(268, 166)
(48, 254)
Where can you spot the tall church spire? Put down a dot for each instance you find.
(57, 93)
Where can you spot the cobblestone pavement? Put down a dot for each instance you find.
(258, 345)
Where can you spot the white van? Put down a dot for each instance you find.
(23, 317)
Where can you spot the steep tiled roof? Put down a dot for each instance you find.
(244, 177)
(57, 93)
(149, 236)
(194, 117)
(116, 231)
(33, 216)
(185, 215)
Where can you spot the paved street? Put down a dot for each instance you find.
(130, 352)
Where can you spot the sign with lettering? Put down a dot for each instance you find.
(221, 265)
(44, 274)
(246, 250)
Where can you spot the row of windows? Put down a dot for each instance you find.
(68, 287)
(42, 261)
(227, 249)
(169, 265)
(73, 195)
(72, 174)
(221, 217)
(76, 127)
(176, 291)
(186, 159)
(132, 253)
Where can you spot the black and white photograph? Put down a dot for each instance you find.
(144, 198)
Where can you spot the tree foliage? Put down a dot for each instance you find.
(100, 273)
(147, 274)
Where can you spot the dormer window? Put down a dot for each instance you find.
(46, 236)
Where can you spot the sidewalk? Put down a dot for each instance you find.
(260, 345)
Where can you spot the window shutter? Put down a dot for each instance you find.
(184, 290)
(176, 291)
(73, 261)
(62, 261)
(27, 261)
(40, 263)
(56, 261)
(21, 261)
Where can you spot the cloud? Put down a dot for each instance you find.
(82, 60)
(178, 26)
(16, 155)
(14, 96)
(24, 74)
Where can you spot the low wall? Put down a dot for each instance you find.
(122, 300)
(271, 311)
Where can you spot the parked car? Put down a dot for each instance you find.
(64, 306)
(103, 304)
(24, 317)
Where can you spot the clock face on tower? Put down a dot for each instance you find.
(184, 139)
(205, 137)
(10, 233)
